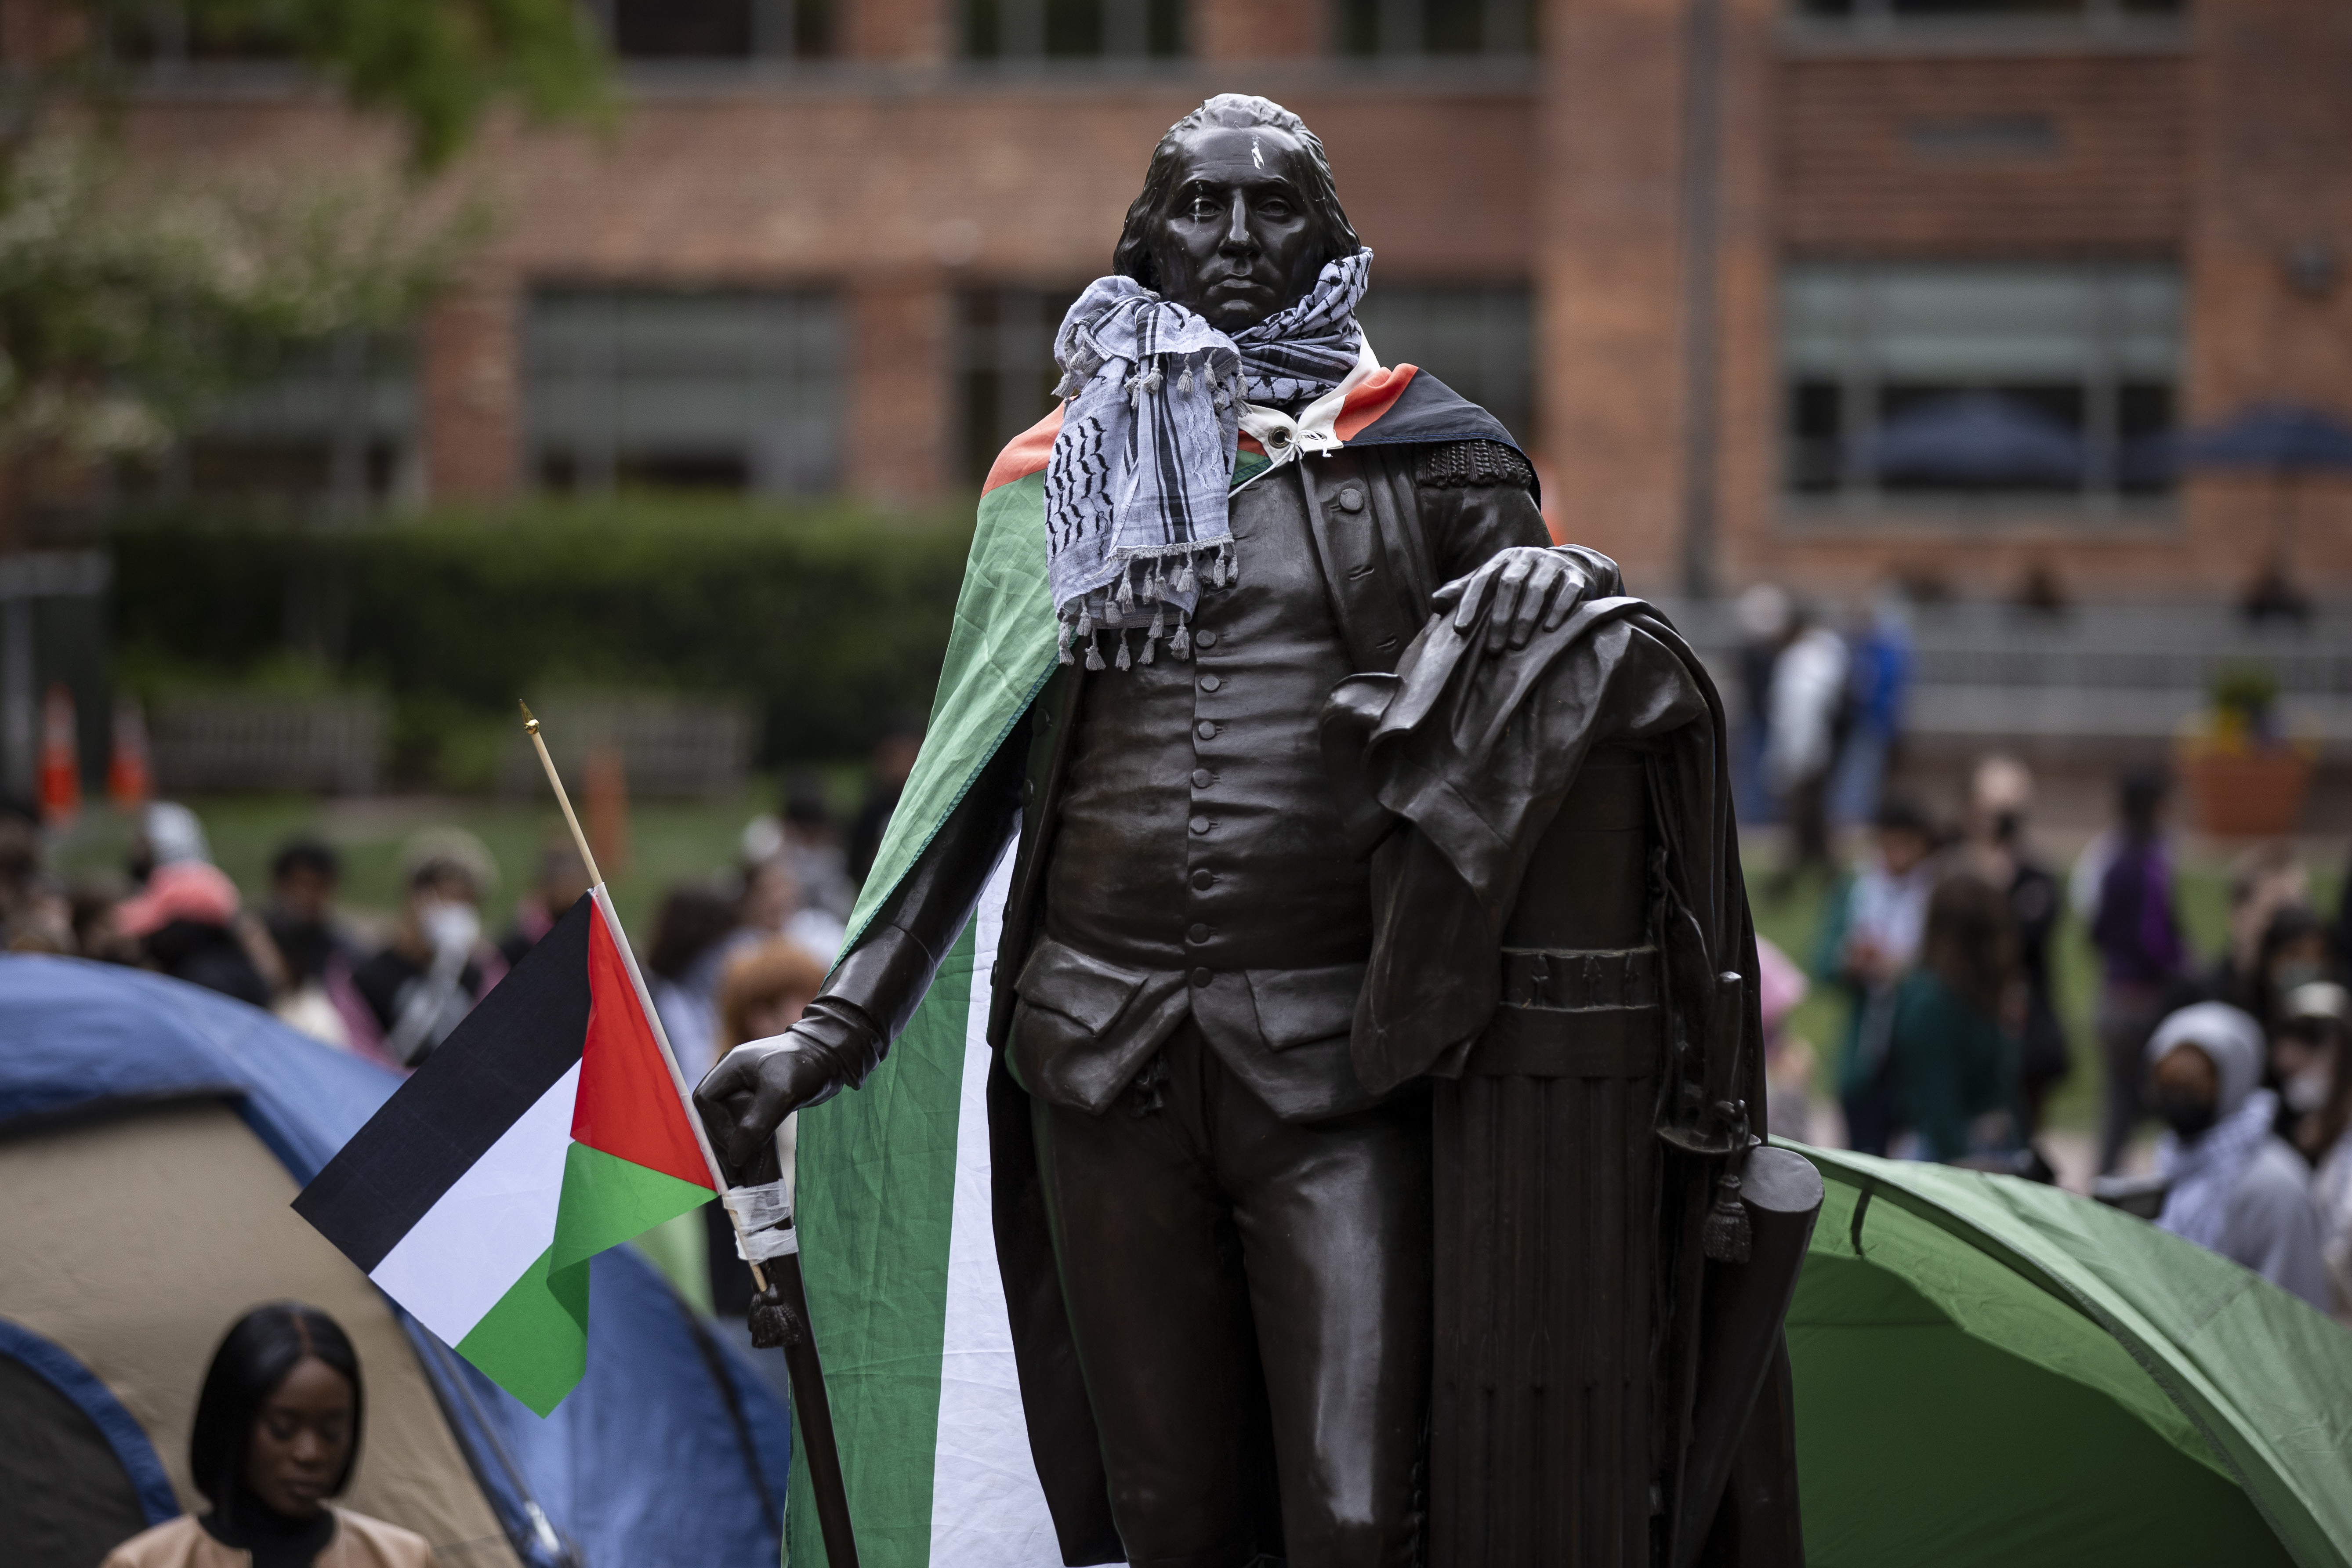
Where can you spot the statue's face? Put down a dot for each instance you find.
(1236, 241)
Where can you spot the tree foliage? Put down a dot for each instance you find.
(435, 66)
(129, 299)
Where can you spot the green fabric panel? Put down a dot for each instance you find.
(2264, 1380)
(608, 1200)
(1920, 1443)
(534, 1342)
(1000, 651)
(876, 1200)
(1967, 1291)
(680, 1248)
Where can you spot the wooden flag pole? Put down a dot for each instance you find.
(596, 880)
(580, 840)
(807, 1373)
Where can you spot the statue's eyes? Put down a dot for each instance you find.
(1274, 207)
(1201, 209)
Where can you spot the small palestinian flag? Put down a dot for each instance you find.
(549, 1126)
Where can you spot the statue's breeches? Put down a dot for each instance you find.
(1250, 1299)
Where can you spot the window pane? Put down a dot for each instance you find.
(1413, 29)
(1945, 12)
(734, 390)
(1474, 339)
(1071, 29)
(2034, 380)
(1004, 366)
(334, 426)
(682, 29)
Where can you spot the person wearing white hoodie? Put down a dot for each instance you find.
(2235, 1186)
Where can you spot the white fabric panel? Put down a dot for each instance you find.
(988, 1510)
(490, 1225)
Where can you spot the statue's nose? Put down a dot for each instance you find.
(1237, 229)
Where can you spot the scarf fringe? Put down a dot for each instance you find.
(1144, 579)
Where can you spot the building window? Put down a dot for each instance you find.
(723, 390)
(688, 30)
(333, 429)
(1475, 339)
(1862, 15)
(1418, 29)
(1073, 29)
(2035, 382)
(1004, 366)
(164, 36)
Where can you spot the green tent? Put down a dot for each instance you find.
(1994, 1372)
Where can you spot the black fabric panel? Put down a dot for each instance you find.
(1429, 410)
(525, 1034)
(65, 1501)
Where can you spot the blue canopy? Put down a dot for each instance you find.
(1975, 437)
(2284, 437)
(671, 1450)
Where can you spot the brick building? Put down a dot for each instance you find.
(1824, 290)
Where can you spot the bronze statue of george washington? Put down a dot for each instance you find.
(1373, 1033)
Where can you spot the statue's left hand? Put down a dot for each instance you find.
(1532, 587)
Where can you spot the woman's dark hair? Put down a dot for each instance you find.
(306, 854)
(1133, 258)
(254, 1358)
(2139, 794)
(1967, 943)
(693, 919)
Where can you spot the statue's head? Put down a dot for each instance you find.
(1238, 212)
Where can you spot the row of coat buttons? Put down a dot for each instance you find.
(1201, 779)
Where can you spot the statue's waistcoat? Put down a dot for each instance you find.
(1198, 864)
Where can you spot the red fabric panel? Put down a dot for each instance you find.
(1370, 398)
(628, 1104)
(1025, 454)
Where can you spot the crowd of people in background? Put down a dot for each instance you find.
(1939, 940)
(741, 950)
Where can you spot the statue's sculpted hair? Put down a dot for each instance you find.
(1238, 112)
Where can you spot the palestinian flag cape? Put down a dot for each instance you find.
(549, 1126)
(910, 1313)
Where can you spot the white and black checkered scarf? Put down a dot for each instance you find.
(1134, 490)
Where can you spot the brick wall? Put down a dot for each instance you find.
(898, 182)
(1956, 155)
(2271, 171)
(1608, 299)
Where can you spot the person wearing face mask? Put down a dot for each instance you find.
(277, 1433)
(2306, 1049)
(2235, 1186)
(2326, 1012)
(421, 985)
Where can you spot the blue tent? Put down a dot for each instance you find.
(672, 1451)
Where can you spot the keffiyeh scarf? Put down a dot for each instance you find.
(1136, 487)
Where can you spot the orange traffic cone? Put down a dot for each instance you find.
(607, 788)
(60, 759)
(130, 778)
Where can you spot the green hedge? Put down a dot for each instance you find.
(829, 618)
